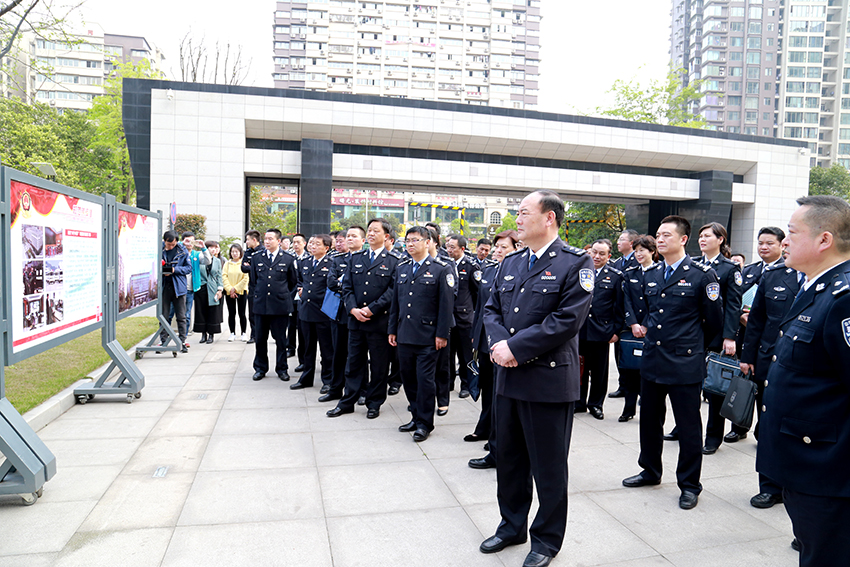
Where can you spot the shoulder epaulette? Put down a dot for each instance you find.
(632, 268)
(615, 270)
(519, 251)
(574, 250)
(395, 254)
(439, 261)
(698, 264)
(776, 266)
(752, 264)
(405, 261)
(489, 262)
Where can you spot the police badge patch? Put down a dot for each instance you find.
(845, 326)
(586, 279)
(450, 279)
(712, 290)
(477, 276)
(738, 279)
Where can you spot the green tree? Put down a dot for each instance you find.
(833, 181)
(262, 216)
(508, 223)
(662, 102)
(290, 223)
(581, 234)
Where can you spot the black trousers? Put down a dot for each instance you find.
(485, 382)
(317, 334)
(418, 366)
(366, 346)
(295, 335)
(716, 423)
(595, 355)
(460, 344)
(685, 399)
(630, 385)
(442, 376)
(533, 442)
(170, 302)
(339, 334)
(234, 307)
(394, 378)
(277, 325)
(251, 312)
(822, 526)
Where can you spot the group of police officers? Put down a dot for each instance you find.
(542, 322)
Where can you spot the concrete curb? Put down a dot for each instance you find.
(41, 416)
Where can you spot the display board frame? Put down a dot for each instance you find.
(7, 176)
(158, 263)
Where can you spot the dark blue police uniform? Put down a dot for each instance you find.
(421, 311)
(635, 311)
(484, 427)
(339, 326)
(804, 439)
(461, 334)
(246, 269)
(316, 326)
(272, 300)
(683, 310)
(539, 312)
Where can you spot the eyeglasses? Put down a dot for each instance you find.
(413, 241)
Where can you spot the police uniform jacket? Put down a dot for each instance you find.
(370, 284)
(751, 274)
(681, 312)
(777, 289)
(339, 265)
(273, 283)
(606, 317)
(313, 282)
(634, 298)
(485, 281)
(731, 282)
(622, 264)
(422, 303)
(804, 438)
(467, 291)
(246, 262)
(539, 312)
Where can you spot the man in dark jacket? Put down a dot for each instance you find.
(252, 246)
(175, 267)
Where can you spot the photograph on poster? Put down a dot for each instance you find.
(56, 243)
(138, 251)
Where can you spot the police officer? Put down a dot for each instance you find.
(252, 246)
(625, 245)
(684, 306)
(295, 333)
(316, 326)
(420, 319)
(394, 377)
(778, 286)
(442, 378)
(274, 274)
(460, 341)
(804, 433)
(605, 321)
(367, 292)
(540, 299)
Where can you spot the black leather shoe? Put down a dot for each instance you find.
(442, 412)
(372, 413)
(534, 559)
(329, 397)
(463, 394)
(289, 353)
(185, 349)
(283, 376)
(299, 386)
(250, 342)
(407, 427)
(765, 500)
(639, 480)
(709, 449)
(624, 418)
(393, 390)
(688, 500)
(299, 368)
(421, 435)
(596, 412)
(472, 437)
(361, 401)
(210, 339)
(338, 411)
(259, 375)
(494, 544)
(325, 389)
(482, 463)
(733, 437)
(795, 545)
(617, 394)
(671, 437)
(203, 339)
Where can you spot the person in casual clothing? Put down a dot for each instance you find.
(175, 268)
(208, 300)
(236, 291)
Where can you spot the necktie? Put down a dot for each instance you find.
(415, 267)
(531, 261)
(372, 256)
(668, 272)
(314, 263)
(800, 280)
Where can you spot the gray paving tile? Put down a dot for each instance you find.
(54, 523)
(774, 552)
(159, 394)
(179, 454)
(378, 488)
(136, 502)
(96, 428)
(420, 538)
(264, 394)
(221, 497)
(93, 452)
(73, 484)
(446, 441)
(275, 544)
(185, 423)
(106, 406)
(34, 560)
(737, 490)
(135, 548)
(469, 486)
(654, 561)
(199, 400)
(319, 421)
(364, 446)
(209, 382)
(217, 368)
(253, 422)
(592, 468)
(255, 452)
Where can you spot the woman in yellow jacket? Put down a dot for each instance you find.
(235, 291)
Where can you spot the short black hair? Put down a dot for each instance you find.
(632, 234)
(683, 225)
(360, 228)
(462, 242)
(299, 234)
(169, 236)
(334, 234)
(435, 226)
(606, 242)
(551, 201)
(187, 234)
(485, 241)
(421, 231)
(276, 232)
(774, 230)
(435, 234)
(255, 234)
(385, 224)
(325, 238)
(828, 214)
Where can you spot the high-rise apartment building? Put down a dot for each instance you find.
(769, 68)
(469, 51)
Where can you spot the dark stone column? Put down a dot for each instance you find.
(646, 218)
(714, 205)
(314, 195)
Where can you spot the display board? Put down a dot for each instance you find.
(54, 246)
(139, 250)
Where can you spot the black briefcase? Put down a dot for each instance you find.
(739, 402)
(720, 370)
(631, 351)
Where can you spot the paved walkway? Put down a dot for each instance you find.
(210, 468)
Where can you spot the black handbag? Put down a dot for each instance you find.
(739, 402)
(631, 351)
(720, 370)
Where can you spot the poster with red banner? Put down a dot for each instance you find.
(138, 255)
(56, 264)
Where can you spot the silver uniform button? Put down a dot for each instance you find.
(658, 343)
(781, 333)
(408, 316)
(807, 439)
(765, 383)
(522, 289)
(795, 337)
(408, 305)
(689, 351)
(660, 310)
(512, 330)
(552, 364)
(763, 409)
(663, 295)
(516, 309)
(659, 326)
(773, 358)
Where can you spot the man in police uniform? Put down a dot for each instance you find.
(420, 319)
(625, 244)
(683, 300)
(273, 272)
(252, 246)
(467, 296)
(540, 299)
(367, 293)
(804, 438)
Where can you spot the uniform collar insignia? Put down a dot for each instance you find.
(820, 286)
(553, 254)
(508, 278)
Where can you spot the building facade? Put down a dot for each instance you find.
(483, 52)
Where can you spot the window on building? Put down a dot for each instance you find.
(753, 43)
(733, 101)
(495, 218)
(793, 132)
(754, 57)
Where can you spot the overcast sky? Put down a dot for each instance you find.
(586, 46)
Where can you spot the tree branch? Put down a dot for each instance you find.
(15, 33)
